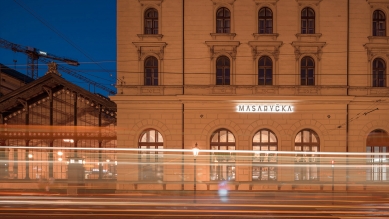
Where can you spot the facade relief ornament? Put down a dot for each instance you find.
(266, 90)
(147, 90)
(222, 47)
(374, 49)
(259, 48)
(314, 48)
(223, 90)
(145, 48)
(378, 3)
(379, 91)
(313, 90)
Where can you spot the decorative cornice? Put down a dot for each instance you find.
(308, 2)
(265, 37)
(150, 2)
(378, 39)
(308, 37)
(223, 36)
(148, 36)
(231, 2)
(273, 2)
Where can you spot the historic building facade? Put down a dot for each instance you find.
(256, 75)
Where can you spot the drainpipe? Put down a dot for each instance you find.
(183, 93)
(347, 68)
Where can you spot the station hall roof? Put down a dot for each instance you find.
(37, 89)
(15, 74)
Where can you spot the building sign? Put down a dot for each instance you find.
(265, 108)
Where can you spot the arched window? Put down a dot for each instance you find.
(306, 164)
(223, 157)
(223, 20)
(265, 21)
(379, 73)
(264, 143)
(150, 160)
(307, 71)
(265, 71)
(223, 71)
(151, 71)
(151, 21)
(307, 21)
(378, 143)
(379, 23)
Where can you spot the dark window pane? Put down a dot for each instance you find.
(269, 12)
(262, 12)
(219, 23)
(379, 23)
(310, 73)
(307, 21)
(264, 70)
(151, 21)
(311, 13)
(151, 71)
(219, 72)
(223, 71)
(268, 73)
(269, 23)
(220, 12)
(379, 73)
(227, 23)
(311, 23)
(227, 13)
(265, 21)
(223, 20)
(304, 12)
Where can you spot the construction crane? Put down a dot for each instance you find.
(34, 54)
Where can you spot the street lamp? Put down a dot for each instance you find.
(195, 150)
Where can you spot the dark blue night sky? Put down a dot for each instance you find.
(84, 30)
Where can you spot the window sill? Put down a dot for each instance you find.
(148, 36)
(265, 37)
(308, 37)
(378, 39)
(223, 36)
